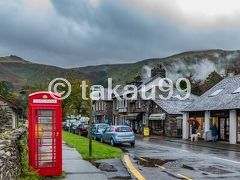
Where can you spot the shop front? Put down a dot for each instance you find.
(238, 126)
(221, 120)
(199, 118)
(135, 122)
(156, 123)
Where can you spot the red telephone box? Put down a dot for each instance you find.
(45, 133)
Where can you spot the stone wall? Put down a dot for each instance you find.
(10, 156)
(5, 117)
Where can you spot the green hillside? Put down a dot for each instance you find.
(21, 72)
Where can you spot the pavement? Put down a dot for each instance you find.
(220, 145)
(75, 168)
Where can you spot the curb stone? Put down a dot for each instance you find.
(131, 174)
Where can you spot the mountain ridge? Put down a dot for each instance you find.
(22, 72)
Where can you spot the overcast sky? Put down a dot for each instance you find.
(70, 33)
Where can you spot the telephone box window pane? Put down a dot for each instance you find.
(45, 119)
(46, 113)
(46, 140)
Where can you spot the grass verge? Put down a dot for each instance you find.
(100, 151)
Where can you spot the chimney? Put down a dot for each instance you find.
(137, 78)
(158, 69)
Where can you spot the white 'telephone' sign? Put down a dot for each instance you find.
(44, 101)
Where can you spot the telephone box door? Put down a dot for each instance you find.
(45, 139)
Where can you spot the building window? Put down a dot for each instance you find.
(216, 92)
(139, 103)
(236, 91)
(102, 105)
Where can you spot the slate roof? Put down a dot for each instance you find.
(225, 100)
(174, 105)
(148, 80)
(11, 104)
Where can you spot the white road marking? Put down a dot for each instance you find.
(227, 160)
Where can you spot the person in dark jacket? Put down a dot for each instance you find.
(194, 127)
(214, 132)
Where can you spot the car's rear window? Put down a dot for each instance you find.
(102, 126)
(123, 129)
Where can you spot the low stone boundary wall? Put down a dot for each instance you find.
(10, 156)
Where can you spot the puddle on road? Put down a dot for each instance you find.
(149, 162)
(214, 170)
(187, 167)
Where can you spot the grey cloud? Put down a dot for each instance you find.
(76, 34)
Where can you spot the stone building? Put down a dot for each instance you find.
(103, 109)
(220, 106)
(120, 109)
(166, 115)
(9, 114)
(139, 110)
(163, 117)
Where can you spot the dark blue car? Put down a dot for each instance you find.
(98, 130)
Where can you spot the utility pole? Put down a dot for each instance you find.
(90, 124)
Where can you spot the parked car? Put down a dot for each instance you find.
(68, 125)
(118, 135)
(64, 124)
(82, 129)
(74, 126)
(98, 130)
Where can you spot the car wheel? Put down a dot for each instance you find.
(132, 144)
(112, 142)
(101, 139)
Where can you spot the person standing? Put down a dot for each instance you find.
(214, 132)
(194, 127)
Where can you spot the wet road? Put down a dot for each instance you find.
(160, 159)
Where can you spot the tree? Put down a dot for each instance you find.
(75, 104)
(22, 99)
(195, 84)
(212, 79)
(6, 91)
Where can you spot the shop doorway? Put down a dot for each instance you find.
(223, 128)
(238, 130)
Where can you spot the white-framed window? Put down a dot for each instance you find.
(139, 103)
(121, 103)
(236, 91)
(116, 102)
(216, 92)
(102, 105)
